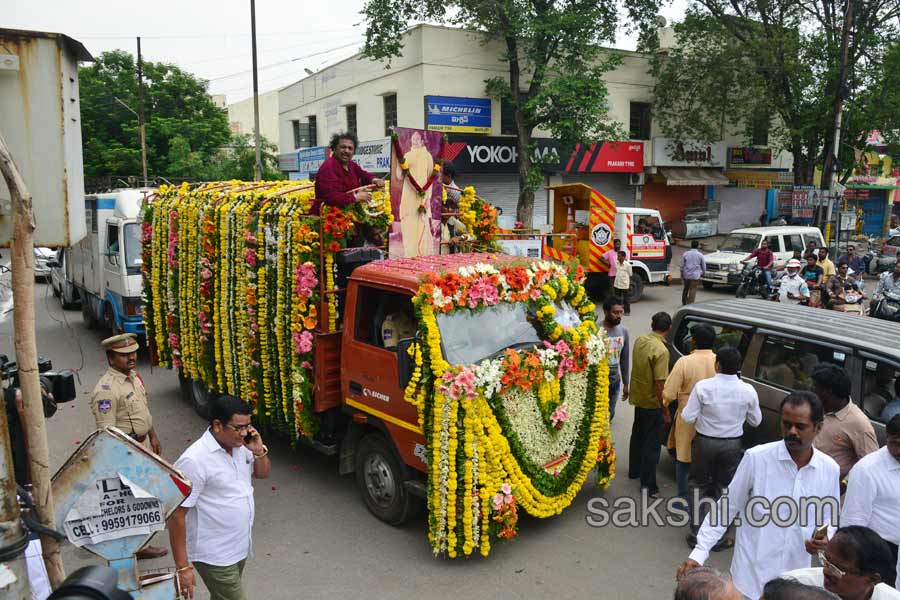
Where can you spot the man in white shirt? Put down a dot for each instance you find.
(793, 288)
(212, 528)
(873, 492)
(772, 478)
(719, 406)
(855, 563)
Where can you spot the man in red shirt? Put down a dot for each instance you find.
(339, 175)
(765, 260)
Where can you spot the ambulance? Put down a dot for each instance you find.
(585, 224)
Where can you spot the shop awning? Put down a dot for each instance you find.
(693, 176)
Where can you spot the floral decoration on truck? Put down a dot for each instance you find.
(519, 430)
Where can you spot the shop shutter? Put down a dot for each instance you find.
(614, 186)
(501, 190)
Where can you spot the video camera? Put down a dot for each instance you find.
(62, 383)
(91, 583)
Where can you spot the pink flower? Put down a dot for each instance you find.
(177, 363)
(306, 364)
(306, 339)
(206, 274)
(173, 340)
(483, 289)
(250, 256)
(509, 499)
(506, 489)
(498, 501)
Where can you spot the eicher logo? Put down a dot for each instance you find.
(377, 395)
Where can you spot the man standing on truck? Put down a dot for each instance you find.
(649, 370)
(120, 399)
(618, 351)
(847, 434)
(693, 266)
(211, 530)
(790, 470)
(339, 176)
(765, 260)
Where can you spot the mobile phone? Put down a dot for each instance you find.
(248, 438)
(821, 532)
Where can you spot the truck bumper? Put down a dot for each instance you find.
(660, 277)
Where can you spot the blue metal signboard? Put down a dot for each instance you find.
(459, 115)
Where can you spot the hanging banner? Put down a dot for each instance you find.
(415, 192)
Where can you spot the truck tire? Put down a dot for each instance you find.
(708, 285)
(636, 291)
(87, 313)
(379, 477)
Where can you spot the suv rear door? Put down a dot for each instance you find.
(779, 363)
(877, 384)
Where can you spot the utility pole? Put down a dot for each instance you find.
(12, 534)
(257, 166)
(22, 251)
(831, 160)
(140, 78)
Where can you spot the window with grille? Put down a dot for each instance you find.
(639, 121)
(390, 113)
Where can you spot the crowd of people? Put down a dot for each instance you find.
(829, 451)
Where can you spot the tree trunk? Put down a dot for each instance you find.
(525, 206)
(22, 249)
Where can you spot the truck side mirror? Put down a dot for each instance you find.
(405, 364)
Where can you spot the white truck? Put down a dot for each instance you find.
(105, 266)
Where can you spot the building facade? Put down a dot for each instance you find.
(438, 83)
(240, 116)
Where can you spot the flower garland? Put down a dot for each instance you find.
(231, 290)
(480, 218)
(523, 430)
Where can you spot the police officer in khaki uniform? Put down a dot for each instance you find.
(120, 399)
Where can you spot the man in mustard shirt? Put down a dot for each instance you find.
(700, 364)
(119, 399)
(649, 369)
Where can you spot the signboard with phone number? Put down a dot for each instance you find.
(644, 245)
(117, 513)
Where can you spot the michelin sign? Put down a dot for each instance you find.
(459, 115)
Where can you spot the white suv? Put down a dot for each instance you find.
(724, 265)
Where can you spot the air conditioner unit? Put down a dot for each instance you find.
(636, 179)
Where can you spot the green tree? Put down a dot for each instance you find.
(236, 160)
(554, 59)
(184, 129)
(738, 60)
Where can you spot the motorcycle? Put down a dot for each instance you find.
(888, 307)
(753, 283)
(854, 301)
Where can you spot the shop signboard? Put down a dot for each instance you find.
(750, 157)
(482, 154)
(526, 248)
(669, 152)
(287, 162)
(374, 156)
(645, 246)
(461, 115)
(310, 159)
(607, 157)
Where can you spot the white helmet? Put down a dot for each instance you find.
(793, 264)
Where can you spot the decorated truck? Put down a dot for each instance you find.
(477, 381)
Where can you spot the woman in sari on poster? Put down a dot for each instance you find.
(415, 220)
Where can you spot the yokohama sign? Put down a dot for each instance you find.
(484, 154)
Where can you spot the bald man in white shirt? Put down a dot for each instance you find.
(790, 471)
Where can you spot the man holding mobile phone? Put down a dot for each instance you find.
(211, 530)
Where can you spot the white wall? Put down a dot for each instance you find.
(240, 116)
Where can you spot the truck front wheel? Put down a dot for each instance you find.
(379, 476)
(636, 291)
(196, 394)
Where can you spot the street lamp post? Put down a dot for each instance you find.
(143, 142)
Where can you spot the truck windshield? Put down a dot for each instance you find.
(744, 243)
(132, 235)
(470, 337)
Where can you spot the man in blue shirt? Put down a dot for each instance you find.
(856, 263)
(693, 265)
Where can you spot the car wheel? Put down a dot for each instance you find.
(708, 285)
(379, 477)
